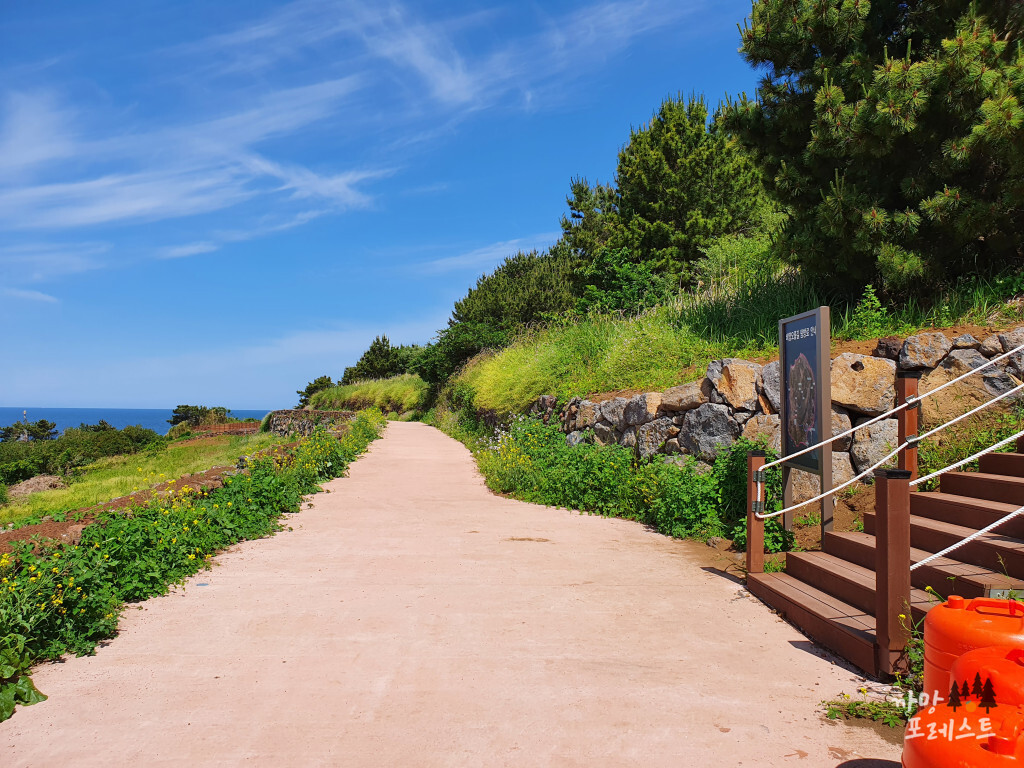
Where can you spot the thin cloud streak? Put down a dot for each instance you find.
(487, 256)
(20, 293)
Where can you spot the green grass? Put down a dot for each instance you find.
(673, 344)
(399, 394)
(118, 476)
(600, 353)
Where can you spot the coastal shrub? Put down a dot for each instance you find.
(682, 498)
(75, 447)
(3, 494)
(64, 599)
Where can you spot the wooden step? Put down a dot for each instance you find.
(837, 625)
(997, 552)
(983, 485)
(1002, 464)
(964, 510)
(851, 583)
(947, 575)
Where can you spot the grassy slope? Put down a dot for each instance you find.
(398, 394)
(117, 476)
(673, 344)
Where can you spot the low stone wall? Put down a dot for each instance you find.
(236, 428)
(738, 398)
(303, 422)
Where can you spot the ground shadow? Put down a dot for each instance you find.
(732, 572)
(868, 762)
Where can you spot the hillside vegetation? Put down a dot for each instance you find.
(398, 394)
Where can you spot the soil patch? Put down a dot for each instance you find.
(70, 530)
(34, 485)
(848, 516)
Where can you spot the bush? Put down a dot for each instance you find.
(533, 462)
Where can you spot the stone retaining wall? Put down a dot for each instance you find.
(738, 398)
(302, 422)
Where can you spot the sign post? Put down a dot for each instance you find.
(805, 374)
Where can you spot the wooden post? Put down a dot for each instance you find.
(892, 567)
(755, 526)
(908, 420)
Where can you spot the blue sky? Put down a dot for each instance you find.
(217, 202)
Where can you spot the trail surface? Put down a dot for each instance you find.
(411, 618)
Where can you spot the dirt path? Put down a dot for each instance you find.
(411, 618)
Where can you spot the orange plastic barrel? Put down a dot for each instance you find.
(1003, 665)
(958, 626)
(938, 737)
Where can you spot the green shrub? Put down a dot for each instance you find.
(265, 423)
(533, 462)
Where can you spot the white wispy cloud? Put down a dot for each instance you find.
(487, 256)
(34, 130)
(189, 249)
(43, 262)
(455, 76)
(169, 172)
(28, 295)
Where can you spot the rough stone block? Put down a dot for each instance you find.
(923, 350)
(736, 381)
(966, 341)
(863, 384)
(685, 397)
(604, 434)
(888, 347)
(651, 436)
(611, 411)
(587, 415)
(706, 429)
(765, 425)
(770, 383)
(640, 409)
(872, 443)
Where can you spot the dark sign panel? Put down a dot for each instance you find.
(803, 348)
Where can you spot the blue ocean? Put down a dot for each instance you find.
(150, 418)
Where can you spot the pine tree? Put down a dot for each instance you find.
(976, 689)
(988, 696)
(954, 697)
(893, 131)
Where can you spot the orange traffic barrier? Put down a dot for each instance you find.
(1002, 665)
(958, 626)
(941, 737)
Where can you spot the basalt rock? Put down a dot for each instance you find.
(706, 429)
(863, 384)
(651, 436)
(923, 350)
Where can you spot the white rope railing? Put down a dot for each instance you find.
(821, 496)
(967, 539)
(759, 483)
(968, 460)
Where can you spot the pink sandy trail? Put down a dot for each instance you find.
(411, 618)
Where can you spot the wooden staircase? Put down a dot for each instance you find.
(831, 595)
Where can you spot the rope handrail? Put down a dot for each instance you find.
(968, 460)
(900, 407)
(821, 496)
(911, 441)
(967, 539)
